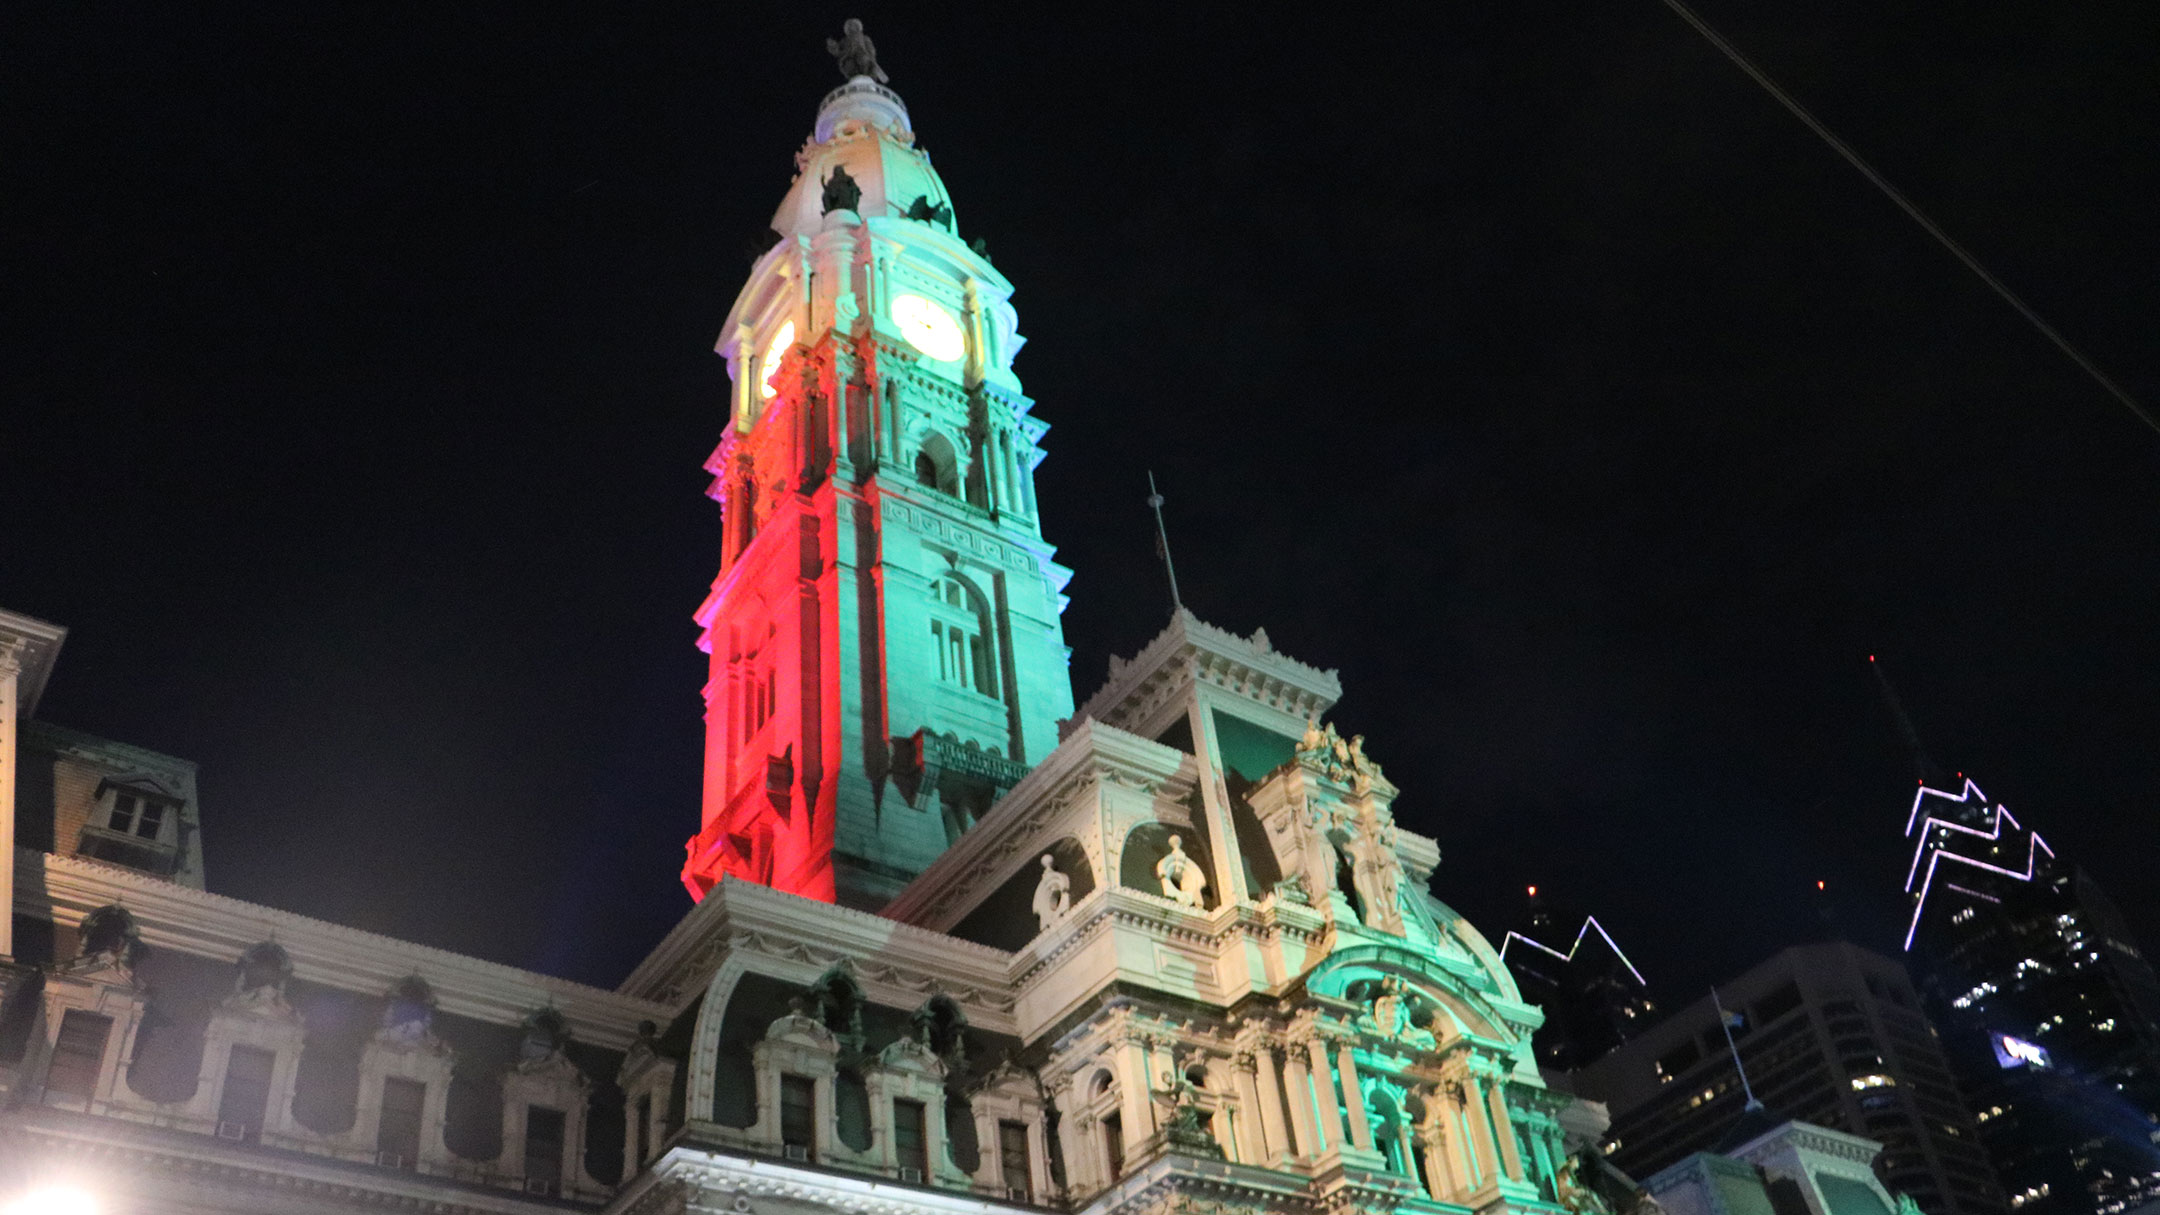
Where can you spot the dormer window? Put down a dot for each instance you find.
(135, 827)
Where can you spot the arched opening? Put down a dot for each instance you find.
(937, 466)
(960, 632)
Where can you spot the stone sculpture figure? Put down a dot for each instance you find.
(1375, 870)
(841, 192)
(1053, 895)
(1577, 1197)
(1185, 1129)
(856, 53)
(1180, 875)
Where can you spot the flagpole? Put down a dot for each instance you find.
(1162, 541)
(1725, 1022)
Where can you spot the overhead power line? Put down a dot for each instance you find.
(1909, 208)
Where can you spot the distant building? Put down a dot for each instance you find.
(1831, 1034)
(2050, 1013)
(1594, 998)
(1789, 1168)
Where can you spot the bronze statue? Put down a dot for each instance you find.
(856, 53)
(841, 192)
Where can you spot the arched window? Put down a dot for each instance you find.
(960, 632)
(937, 467)
(757, 693)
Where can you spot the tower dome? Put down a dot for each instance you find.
(863, 131)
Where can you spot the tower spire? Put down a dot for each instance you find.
(1923, 767)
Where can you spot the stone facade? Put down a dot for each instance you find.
(1168, 952)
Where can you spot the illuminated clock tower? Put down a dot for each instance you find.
(886, 654)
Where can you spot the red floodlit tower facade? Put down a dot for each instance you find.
(886, 653)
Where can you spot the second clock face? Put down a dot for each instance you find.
(928, 327)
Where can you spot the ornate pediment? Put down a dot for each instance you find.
(912, 1057)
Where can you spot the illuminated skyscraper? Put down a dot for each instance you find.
(1594, 998)
(2049, 1012)
(886, 655)
(1830, 1034)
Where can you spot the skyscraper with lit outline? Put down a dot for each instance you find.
(2050, 1014)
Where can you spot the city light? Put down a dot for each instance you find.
(1589, 922)
(53, 1200)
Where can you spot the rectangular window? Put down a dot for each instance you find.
(1113, 1144)
(246, 1096)
(644, 1128)
(1013, 1156)
(397, 1130)
(77, 1059)
(798, 1112)
(137, 815)
(911, 1145)
(543, 1145)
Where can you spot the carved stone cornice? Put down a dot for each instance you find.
(740, 915)
(28, 649)
(195, 922)
(1087, 759)
(1192, 652)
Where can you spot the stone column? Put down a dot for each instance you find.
(1354, 1097)
(1251, 1146)
(1442, 1175)
(1076, 1138)
(1323, 1088)
(1485, 1153)
(1268, 1107)
(1229, 866)
(10, 702)
(1297, 1075)
(1510, 1153)
(1133, 1091)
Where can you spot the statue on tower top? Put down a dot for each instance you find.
(856, 53)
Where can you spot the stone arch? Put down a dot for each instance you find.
(1458, 1008)
(1006, 918)
(964, 631)
(1148, 843)
(937, 465)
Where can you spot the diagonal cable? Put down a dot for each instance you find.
(1909, 208)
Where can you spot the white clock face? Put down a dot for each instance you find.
(929, 328)
(773, 352)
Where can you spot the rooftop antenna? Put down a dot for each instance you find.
(1923, 767)
(1162, 541)
(1726, 1021)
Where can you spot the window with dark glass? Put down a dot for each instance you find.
(798, 1112)
(911, 1145)
(543, 1145)
(78, 1057)
(644, 1128)
(397, 1131)
(1013, 1155)
(246, 1095)
(135, 814)
(1113, 1142)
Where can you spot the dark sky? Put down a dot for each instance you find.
(1519, 359)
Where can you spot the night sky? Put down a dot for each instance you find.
(1522, 360)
